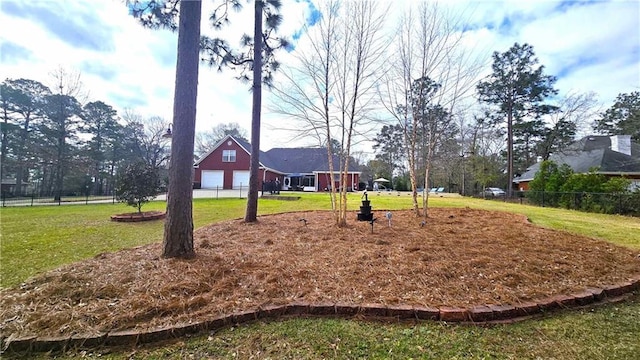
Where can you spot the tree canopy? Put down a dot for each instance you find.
(205, 141)
(517, 90)
(55, 146)
(623, 117)
(138, 184)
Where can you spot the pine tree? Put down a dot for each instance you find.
(517, 89)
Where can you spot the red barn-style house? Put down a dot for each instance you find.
(226, 166)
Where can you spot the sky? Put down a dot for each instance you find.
(590, 46)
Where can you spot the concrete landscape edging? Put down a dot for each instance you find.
(481, 314)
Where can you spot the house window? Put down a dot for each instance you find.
(228, 156)
(309, 181)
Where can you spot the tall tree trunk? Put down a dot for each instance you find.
(178, 227)
(59, 169)
(427, 185)
(344, 181)
(112, 172)
(411, 140)
(509, 151)
(19, 172)
(327, 124)
(20, 155)
(97, 180)
(3, 146)
(252, 198)
(332, 182)
(43, 184)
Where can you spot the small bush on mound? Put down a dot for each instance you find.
(138, 183)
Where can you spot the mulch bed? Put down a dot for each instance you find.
(461, 258)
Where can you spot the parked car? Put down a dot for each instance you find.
(493, 192)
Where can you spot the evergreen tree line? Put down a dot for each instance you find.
(517, 111)
(54, 145)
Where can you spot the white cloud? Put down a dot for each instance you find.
(594, 46)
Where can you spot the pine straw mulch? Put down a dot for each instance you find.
(462, 257)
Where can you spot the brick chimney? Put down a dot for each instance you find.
(621, 144)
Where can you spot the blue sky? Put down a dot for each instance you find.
(588, 45)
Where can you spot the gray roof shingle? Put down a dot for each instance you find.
(592, 152)
(299, 160)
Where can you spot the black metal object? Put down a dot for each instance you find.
(365, 213)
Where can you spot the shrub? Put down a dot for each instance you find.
(558, 186)
(548, 182)
(401, 183)
(137, 184)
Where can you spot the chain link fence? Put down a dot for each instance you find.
(32, 200)
(605, 203)
(7, 199)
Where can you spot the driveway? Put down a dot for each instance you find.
(213, 194)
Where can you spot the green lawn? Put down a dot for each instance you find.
(36, 239)
(609, 332)
(618, 229)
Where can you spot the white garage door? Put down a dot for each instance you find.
(240, 178)
(211, 179)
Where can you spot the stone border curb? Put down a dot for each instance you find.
(280, 197)
(135, 217)
(481, 314)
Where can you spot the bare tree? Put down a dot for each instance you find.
(68, 82)
(206, 140)
(331, 91)
(486, 145)
(395, 94)
(146, 138)
(575, 111)
(466, 149)
(305, 91)
(360, 53)
(432, 62)
(62, 111)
